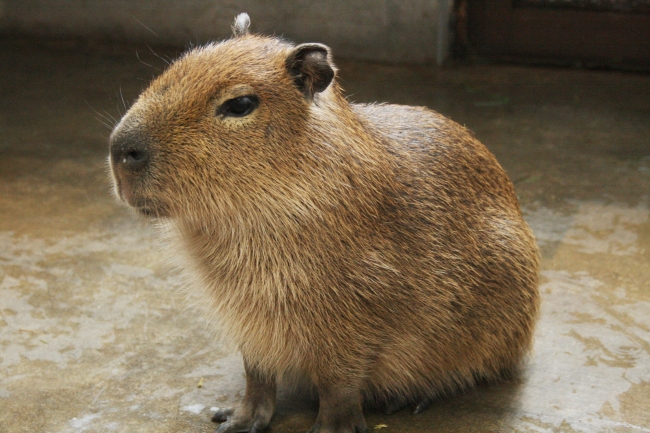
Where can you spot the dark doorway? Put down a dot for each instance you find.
(592, 33)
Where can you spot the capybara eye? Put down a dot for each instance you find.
(239, 107)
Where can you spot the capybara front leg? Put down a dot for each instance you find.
(340, 410)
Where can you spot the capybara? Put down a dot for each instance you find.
(376, 253)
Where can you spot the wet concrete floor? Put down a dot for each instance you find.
(95, 336)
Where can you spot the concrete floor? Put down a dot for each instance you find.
(94, 337)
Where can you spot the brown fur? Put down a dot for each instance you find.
(376, 250)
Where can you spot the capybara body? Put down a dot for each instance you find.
(376, 252)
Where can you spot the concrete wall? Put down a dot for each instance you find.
(384, 30)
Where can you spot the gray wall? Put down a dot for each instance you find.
(384, 30)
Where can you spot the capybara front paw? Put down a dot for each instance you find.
(241, 426)
(233, 422)
(222, 415)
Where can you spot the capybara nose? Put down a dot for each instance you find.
(129, 151)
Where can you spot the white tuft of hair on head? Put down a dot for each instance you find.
(241, 25)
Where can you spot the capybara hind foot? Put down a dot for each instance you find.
(422, 406)
(397, 405)
(257, 407)
(394, 406)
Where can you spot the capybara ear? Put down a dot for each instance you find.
(311, 68)
(241, 25)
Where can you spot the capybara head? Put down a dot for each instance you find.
(220, 125)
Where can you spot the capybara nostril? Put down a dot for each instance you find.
(130, 152)
(136, 159)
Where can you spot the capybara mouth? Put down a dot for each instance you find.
(149, 208)
(152, 211)
(126, 192)
(146, 211)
